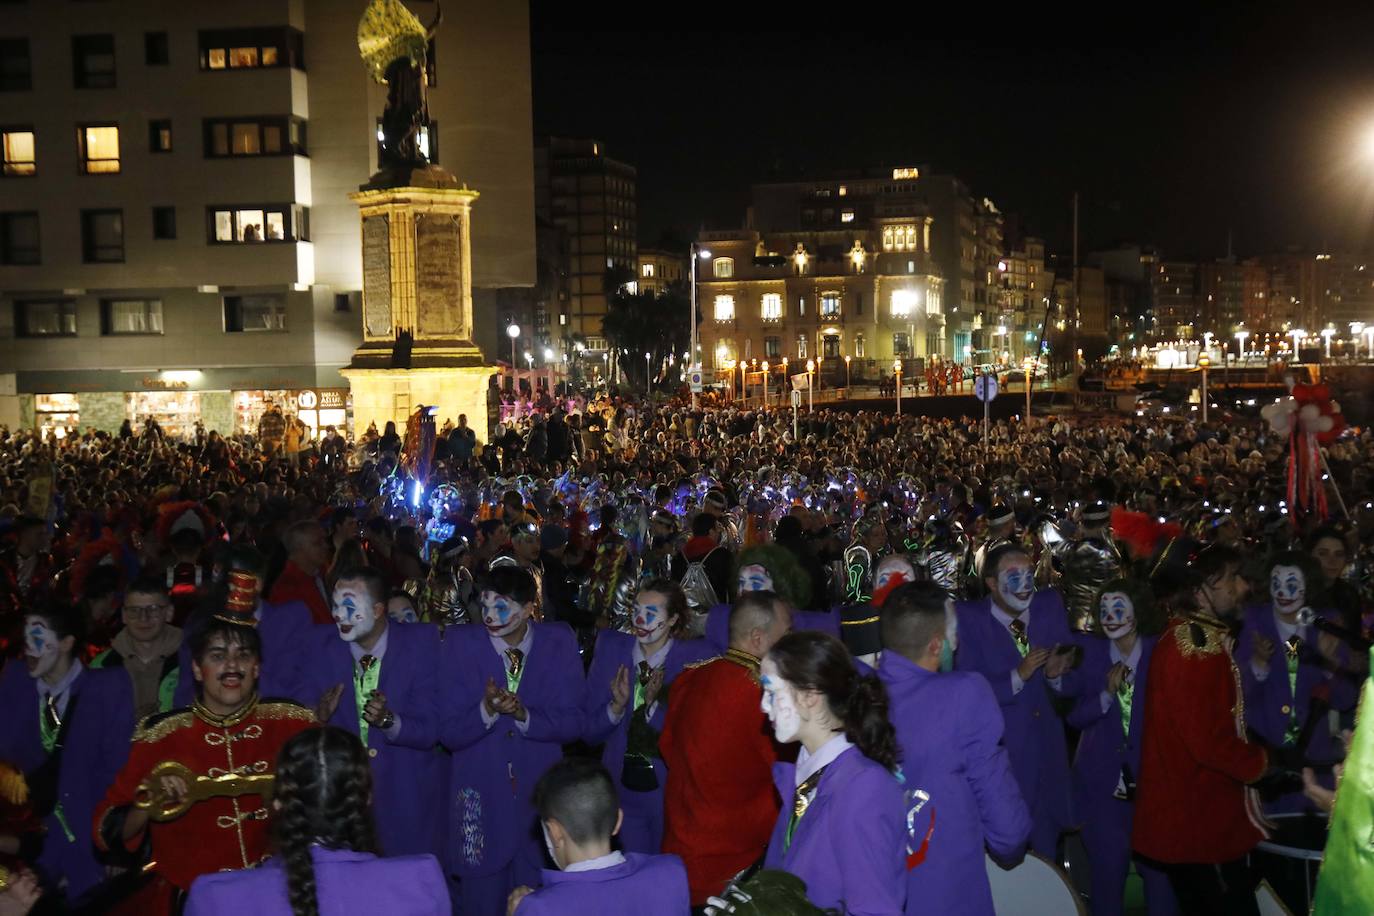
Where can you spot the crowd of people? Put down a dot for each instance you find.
(643, 659)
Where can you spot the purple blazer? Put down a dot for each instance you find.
(285, 630)
(100, 721)
(642, 885)
(1034, 735)
(407, 773)
(345, 882)
(849, 848)
(493, 770)
(614, 649)
(1103, 748)
(960, 792)
(1268, 703)
(718, 624)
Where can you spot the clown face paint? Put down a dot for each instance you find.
(1016, 583)
(651, 620)
(779, 702)
(755, 578)
(1288, 588)
(41, 646)
(1116, 613)
(354, 613)
(889, 568)
(502, 615)
(401, 611)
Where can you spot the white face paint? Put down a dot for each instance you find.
(400, 610)
(651, 619)
(1116, 613)
(502, 615)
(888, 568)
(1288, 588)
(354, 613)
(755, 578)
(1016, 583)
(779, 702)
(41, 646)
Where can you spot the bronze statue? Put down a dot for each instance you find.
(395, 47)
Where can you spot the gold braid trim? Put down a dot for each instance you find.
(229, 720)
(746, 661)
(1199, 635)
(274, 710)
(150, 732)
(857, 623)
(703, 662)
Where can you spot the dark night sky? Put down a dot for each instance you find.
(1176, 124)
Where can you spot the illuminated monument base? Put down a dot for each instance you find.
(417, 302)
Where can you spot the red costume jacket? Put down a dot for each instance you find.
(215, 834)
(1193, 804)
(294, 584)
(719, 803)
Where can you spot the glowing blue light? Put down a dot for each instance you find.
(415, 496)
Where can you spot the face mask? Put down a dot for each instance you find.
(888, 570)
(779, 703)
(1016, 586)
(650, 618)
(40, 644)
(353, 612)
(548, 844)
(755, 578)
(1288, 588)
(951, 642)
(501, 615)
(1117, 615)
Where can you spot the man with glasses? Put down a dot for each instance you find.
(146, 647)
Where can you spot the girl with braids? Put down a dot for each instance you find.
(326, 845)
(841, 827)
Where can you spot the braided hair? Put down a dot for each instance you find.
(323, 796)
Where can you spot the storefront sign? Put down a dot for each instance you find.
(307, 400)
(154, 383)
(332, 398)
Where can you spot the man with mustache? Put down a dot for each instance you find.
(228, 729)
(511, 697)
(376, 680)
(1019, 640)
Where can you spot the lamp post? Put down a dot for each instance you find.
(820, 373)
(1240, 345)
(1028, 370)
(1327, 334)
(648, 384)
(810, 393)
(1356, 329)
(765, 384)
(513, 332)
(897, 369)
(692, 362)
(550, 367)
(1203, 362)
(1369, 341)
(1297, 334)
(846, 375)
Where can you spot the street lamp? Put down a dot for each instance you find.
(810, 375)
(513, 331)
(550, 366)
(1369, 341)
(693, 364)
(897, 369)
(1327, 334)
(765, 384)
(1240, 345)
(1297, 334)
(846, 375)
(820, 373)
(1203, 362)
(648, 384)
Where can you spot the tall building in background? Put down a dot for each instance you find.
(592, 199)
(660, 268)
(176, 239)
(1177, 303)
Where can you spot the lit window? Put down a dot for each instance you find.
(858, 346)
(18, 149)
(258, 224)
(843, 190)
(254, 137)
(646, 270)
(723, 268)
(99, 148)
(911, 267)
(830, 305)
(45, 318)
(846, 216)
(254, 313)
(725, 308)
(901, 344)
(910, 238)
(801, 346)
(130, 316)
(247, 49)
(160, 136)
(903, 302)
(887, 238)
(772, 307)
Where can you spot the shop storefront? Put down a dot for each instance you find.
(176, 411)
(56, 413)
(317, 408)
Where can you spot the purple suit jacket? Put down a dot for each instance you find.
(494, 770)
(614, 649)
(640, 886)
(1034, 735)
(285, 630)
(718, 624)
(345, 882)
(100, 713)
(959, 789)
(407, 773)
(1103, 747)
(849, 848)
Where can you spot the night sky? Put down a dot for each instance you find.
(1175, 125)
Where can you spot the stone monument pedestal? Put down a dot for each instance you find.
(417, 302)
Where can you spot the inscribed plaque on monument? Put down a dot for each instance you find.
(376, 276)
(438, 287)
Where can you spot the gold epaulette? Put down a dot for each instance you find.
(746, 661)
(284, 709)
(159, 725)
(703, 662)
(1199, 636)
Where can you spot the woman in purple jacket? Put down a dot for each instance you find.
(326, 845)
(841, 828)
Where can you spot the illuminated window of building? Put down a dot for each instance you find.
(725, 351)
(858, 346)
(17, 145)
(723, 268)
(843, 190)
(725, 308)
(244, 314)
(830, 305)
(262, 223)
(254, 137)
(887, 238)
(772, 306)
(45, 318)
(903, 302)
(901, 344)
(799, 259)
(911, 267)
(646, 270)
(247, 49)
(130, 316)
(910, 244)
(99, 148)
(801, 346)
(772, 347)
(846, 216)
(858, 257)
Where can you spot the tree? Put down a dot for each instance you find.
(637, 323)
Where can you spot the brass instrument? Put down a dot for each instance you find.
(153, 798)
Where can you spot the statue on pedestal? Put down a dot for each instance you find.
(395, 47)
